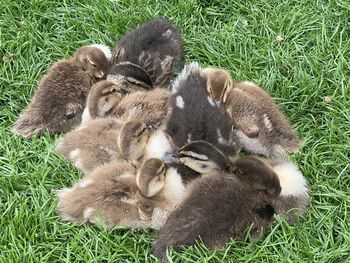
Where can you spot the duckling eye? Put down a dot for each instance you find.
(94, 65)
(238, 172)
(123, 92)
(203, 166)
(282, 136)
(114, 90)
(70, 115)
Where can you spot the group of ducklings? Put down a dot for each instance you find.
(165, 155)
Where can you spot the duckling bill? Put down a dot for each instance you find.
(59, 101)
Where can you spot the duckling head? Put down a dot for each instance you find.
(151, 177)
(203, 157)
(104, 96)
(94, 59)
(132, 140)
(257, 173)
(218, 81)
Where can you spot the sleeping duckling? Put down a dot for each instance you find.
(109, 193)
(146, 57)
(101, 141)
(221, 206)
(261, 126)
(193, 114)
(59, 101)
(149, 107)
(260, 117)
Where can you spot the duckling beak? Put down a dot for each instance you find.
(170, 157)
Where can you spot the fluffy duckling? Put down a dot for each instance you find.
(221, 206)
(59, 101)
(147, 56)
(149, 107)
(261, 126)
(193, 115)
(101, 141)
(109, 193)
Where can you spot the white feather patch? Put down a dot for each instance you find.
(157, 145)
(211, 101)
(189, 69)
(267, 122)
(180, 102)
(85, 117)
(86, 182)
(128, 201)
(291, 179)
(106, 50)
(73, 155)
(174, 190)
(88, 213)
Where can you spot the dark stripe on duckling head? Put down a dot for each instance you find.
(204, 151)
(131, 73)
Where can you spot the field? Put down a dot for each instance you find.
(297, 50)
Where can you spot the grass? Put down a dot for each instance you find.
(300, 71)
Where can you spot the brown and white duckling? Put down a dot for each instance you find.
(104, 140)
(59, 101)
(261, 126)
(193, 114)
(105, 100)
(146, 57)
(222, 205)
(109, 193)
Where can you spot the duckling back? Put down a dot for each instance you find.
(193, 115)
(154, 47)
(92, 145)
(149, 107)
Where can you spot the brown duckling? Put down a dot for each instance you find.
(222, 205)
(149, 107)
(260, 125)
(109, 193)
(59, 101)
(104, 140)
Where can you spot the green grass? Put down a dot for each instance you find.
(310, 63)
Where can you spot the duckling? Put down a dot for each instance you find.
(193, 114)
(221, 206)
(109, 193)
(147, 106)
(102, 141)
(261, 126)
(147, 56)
(59, 101)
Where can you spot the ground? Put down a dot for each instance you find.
(297, 50)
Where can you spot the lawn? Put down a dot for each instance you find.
(297, 50)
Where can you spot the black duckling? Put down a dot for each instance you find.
(146, 57)
(193, 114)
(59, 101)
(223, 205)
